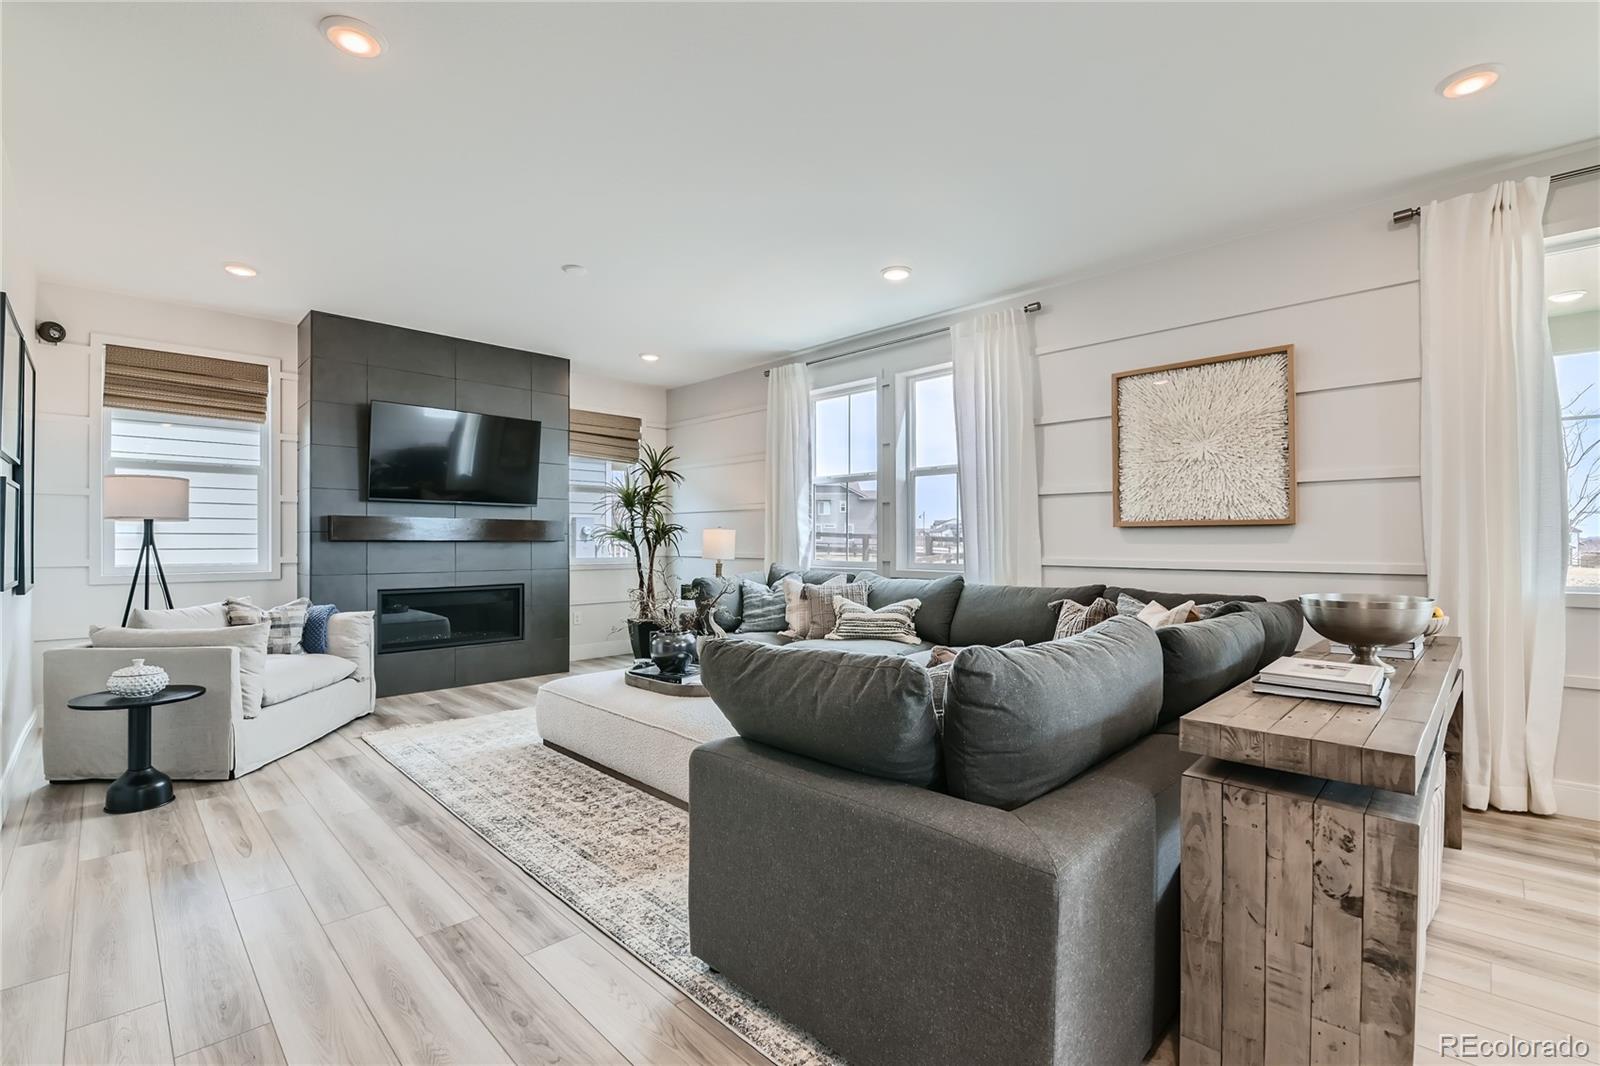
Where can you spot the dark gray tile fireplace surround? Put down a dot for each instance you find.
(345, 364)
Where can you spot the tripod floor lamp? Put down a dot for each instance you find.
(150, 499)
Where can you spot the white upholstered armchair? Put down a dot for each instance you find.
(256, 707)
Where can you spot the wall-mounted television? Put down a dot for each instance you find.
(434, 455)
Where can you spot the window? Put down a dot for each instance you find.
(931, 516)
(844, 482)
(587, 513)
(1572, 280)
(224, 460)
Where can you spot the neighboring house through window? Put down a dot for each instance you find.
(587, 513)
(844, 483)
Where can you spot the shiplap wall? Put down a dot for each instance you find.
(599, 591)
(1344, 291)
(68, 599)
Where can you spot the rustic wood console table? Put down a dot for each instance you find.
(1311, 848)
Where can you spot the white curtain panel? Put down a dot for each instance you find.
(789, 466)
(995, 375)
(1494, 483)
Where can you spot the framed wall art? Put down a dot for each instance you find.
(1207, 442)
(13, 349)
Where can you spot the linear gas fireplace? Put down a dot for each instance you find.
(415, 619)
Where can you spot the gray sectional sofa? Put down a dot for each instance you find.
(998, 885)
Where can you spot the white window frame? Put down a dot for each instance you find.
(102, 571)
(1576, 596)
(907, 473)
(573, 560)
(857, 387)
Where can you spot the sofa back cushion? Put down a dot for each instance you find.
(200, 616)
(1200, 660)
(1282, 624)
(1020, 722)
(815, 576)
(250, 640)
(869, 713)
(937, 599)
(994, 614)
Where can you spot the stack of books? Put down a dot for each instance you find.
(1412, 650)
(1316, 679)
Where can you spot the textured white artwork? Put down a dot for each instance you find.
(1208, 442)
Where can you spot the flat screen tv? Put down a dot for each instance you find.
(430, 454)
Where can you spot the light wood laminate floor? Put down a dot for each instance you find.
(325, 909)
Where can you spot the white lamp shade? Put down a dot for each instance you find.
(165, 499)
(717, 543)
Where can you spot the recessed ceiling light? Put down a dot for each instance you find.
(577, 270)
(896, 273)
(649, 357)
(352, 36)
(240, 270)
(1570, 296)
(1470, 81)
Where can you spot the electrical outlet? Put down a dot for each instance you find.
(577, 617)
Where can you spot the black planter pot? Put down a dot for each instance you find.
(639, 634)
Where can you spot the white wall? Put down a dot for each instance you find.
(600, 590)
(68, 598)
(19, 281)
(1343, 290)
(719, 428)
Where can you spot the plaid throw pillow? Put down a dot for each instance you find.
(1074, 617)
(819, 598)
(763, 609)
(858, 622)
(288, 622)
(796, 608)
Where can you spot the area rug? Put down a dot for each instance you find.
(616, 855)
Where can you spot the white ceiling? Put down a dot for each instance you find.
(1574, 270)
(733, 176)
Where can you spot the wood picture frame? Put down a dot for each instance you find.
(1173, 373)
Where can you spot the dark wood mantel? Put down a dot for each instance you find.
(409, 528)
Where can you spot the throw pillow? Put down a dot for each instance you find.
(314, 637)
(350, 637)
(891, 622)
(1074, 617)
(796, 609)
(250, 640)
(202, 616)
(762, 607)
(819, 598)
(1127, 604)
(1155, 616)
(287, 621)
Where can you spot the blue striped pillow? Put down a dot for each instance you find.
(314, 636)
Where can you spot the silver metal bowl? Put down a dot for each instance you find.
(1367, 621)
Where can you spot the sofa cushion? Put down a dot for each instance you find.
(869, 713)
(938, 597)
(288, 676)
(250, 640)
(815, 576)
(1200, 660)
(201, 616)
(1282, 624)
(993, 614)
(1020, 722)
(350, 636)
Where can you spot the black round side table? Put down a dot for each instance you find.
(142, 786)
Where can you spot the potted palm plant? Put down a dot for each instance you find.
(639, 507)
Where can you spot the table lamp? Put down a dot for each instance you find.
(717, 544)
(149, 498)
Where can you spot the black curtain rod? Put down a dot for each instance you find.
(1027, 309)
(1411, 214)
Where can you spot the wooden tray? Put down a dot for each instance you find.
(651, 681)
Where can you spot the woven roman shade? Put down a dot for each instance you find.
(602, 436)
(144, 379)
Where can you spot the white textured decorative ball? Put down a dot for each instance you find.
(137, 681)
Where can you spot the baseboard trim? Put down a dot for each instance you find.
(599, 649)
(1578, 799)
(17, 757)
